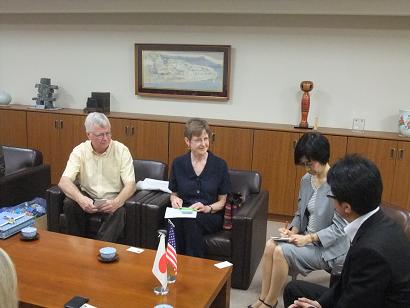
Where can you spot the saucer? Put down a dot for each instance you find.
(108, 260)
(23, 238)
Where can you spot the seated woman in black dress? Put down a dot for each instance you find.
(199, 180)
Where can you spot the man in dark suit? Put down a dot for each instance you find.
(376, 272)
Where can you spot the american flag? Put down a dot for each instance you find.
(171, 248)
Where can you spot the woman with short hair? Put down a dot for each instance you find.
(198, 180)
(316, 234)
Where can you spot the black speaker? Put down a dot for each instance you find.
(99, 101)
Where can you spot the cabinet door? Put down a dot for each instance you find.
(121, 131)
(150, 140)
(42, 134)
(381, 152)
(234, 145)
(400, 190)
(13, 128)
(177, 145)
(71, 133)
(273, 158)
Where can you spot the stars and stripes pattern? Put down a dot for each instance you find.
(171, 248)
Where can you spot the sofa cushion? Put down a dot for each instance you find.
(218, 244)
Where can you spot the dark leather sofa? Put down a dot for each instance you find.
(132, 233)
(243, 245)
(26, 176)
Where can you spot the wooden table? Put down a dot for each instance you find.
(56, 267)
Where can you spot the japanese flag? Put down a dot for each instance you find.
(160, 264)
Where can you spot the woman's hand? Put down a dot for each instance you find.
(286, 232)
(176, 202)
(299, 239)
(201, 207)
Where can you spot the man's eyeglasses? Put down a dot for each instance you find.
(331, 196)
(101, 135)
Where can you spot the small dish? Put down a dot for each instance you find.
(101, 259)
(29, 232)
(33, 238)
(108, 252)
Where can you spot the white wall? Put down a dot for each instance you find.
(360, 65)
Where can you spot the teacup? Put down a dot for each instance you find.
(29, 232)
(108, 253)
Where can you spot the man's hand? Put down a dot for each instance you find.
(110, 206)
(176, 202)
(87, 204)
(304, 302)
(299, 239)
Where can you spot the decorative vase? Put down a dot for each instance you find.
(5, 98)
(404, 123)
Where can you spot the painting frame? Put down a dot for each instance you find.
(183, 71)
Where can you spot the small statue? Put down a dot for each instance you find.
(306, 86)
(45, 97)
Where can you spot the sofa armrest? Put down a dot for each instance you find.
(55, 198)
(249, 238)
(152, 219)
(24, 185)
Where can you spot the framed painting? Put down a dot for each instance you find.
(190, 71)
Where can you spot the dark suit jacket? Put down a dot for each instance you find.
(376, 272)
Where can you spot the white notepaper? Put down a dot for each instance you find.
(223, 264)
(135, 249)
(177, 213)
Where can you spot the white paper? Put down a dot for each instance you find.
(152, 184)
(223, 264)
(177, 213)
(135, 249)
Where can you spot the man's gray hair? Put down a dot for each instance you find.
(96, 118)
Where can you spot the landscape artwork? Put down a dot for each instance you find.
(183, 70)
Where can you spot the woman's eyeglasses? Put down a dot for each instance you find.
(307, 164)
(331, 196)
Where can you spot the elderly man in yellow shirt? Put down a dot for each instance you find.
(104, 170)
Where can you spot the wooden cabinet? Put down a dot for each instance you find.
(393, 160)
(13, 128)
(234, 145)
(55, 135)
(145, 139)
(273, 158)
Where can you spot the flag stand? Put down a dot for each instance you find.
(160, 291)
(172, 278)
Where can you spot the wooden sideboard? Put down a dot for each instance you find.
(264, 147)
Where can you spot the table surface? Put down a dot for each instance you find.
(56, 267)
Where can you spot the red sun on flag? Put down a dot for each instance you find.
(163, 264)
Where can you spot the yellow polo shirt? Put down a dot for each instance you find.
(102, 176)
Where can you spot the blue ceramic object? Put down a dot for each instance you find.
(108, 253)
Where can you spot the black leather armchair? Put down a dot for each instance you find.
(26, 176)
(143, 169)
(243, 245)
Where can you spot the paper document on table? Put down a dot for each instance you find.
(178, 213)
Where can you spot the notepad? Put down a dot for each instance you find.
(280, 238)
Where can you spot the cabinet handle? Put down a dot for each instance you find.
(401, 154)
(126, 130)
(393, 153)
(132, 130)
(213, 137)
(61, 124)
(55, 124)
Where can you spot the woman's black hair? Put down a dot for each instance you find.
(312, 146)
